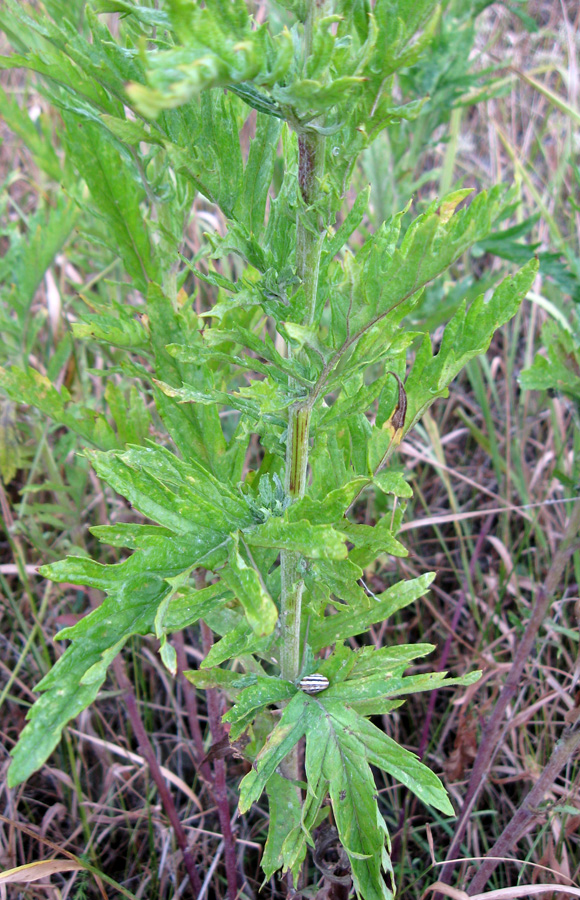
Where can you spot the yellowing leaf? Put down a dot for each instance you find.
(37, 870)
(9, 444)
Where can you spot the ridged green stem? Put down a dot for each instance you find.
(308, 247)
(309, 234)
(292, 583)
(309, 231)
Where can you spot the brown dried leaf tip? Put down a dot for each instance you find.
(396, 422)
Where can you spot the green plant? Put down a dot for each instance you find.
(559, 370)
(279, 400)
(451, 79)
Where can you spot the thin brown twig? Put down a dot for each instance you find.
(491, 732)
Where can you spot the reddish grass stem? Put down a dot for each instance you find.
(191, 706)
(148, 754)
(490, 738)
(214, 712)
(527, 812)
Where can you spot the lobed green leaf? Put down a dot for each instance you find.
(247, 586)
(342, 625)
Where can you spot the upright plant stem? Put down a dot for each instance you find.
(292, 583)
(309, 233)
(308, 225)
